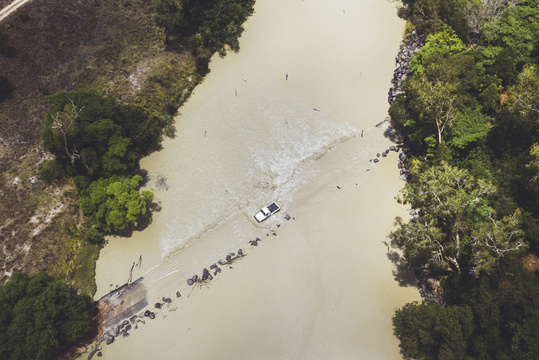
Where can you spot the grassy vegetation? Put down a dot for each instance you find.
(56, 45)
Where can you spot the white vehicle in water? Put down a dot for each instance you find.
(267, 211)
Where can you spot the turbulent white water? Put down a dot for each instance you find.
(287, 119)
(251, 155)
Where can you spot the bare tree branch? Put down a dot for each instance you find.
(64, 124)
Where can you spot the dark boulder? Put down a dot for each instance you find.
(147, 313)
(189, 281)
(213, 266)
(376, 160)
(152, 316)
(209, 277)
(402, 156)
(254, 243)
(287, 217)
(125, 334)
(178, 294)
(110, 340)
(158, 305)
(228, 258)
(133, 318)
(99, 354)
(167, 300)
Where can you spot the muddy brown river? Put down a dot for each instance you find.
(291, 118)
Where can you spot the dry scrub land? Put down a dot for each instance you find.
(59, 45)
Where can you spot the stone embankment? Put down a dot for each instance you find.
(122, 310)
(426, 284)
(408, 48)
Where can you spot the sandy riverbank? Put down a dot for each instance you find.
(323, 287)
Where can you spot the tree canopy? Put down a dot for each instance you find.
(491, 317)
(95, 136)
(470, 112)
(210, 25)
(456, 227)
(112, 204)
(39, 314)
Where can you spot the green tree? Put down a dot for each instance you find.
(39, 314)
(444, 86)
(493, 239)
(211, 25)
(516, 29)
(449, 200)
(470, 126)
(524, 96)
(169, 14)
(50, 170)
(95, 135)
(112, 204)
(430, 331)
(438, 102)
(118, 158)
(437, 45)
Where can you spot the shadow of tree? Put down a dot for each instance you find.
(392, 134)
(402, 276)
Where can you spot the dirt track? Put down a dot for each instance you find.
(5, 12)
